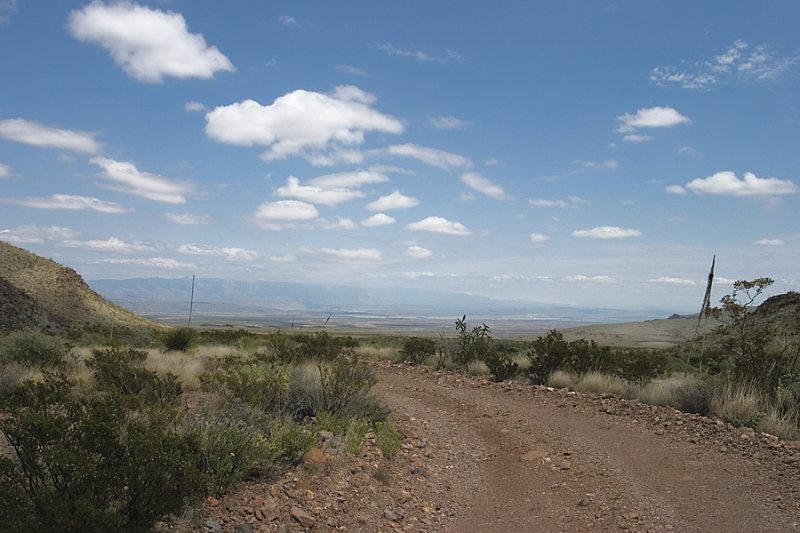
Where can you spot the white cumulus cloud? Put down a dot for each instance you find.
(378, 219)
(348, 180)
(580, 278)
(484, 186)
(230, 253)
(431, 156)
(147, 43)
(341, 223)
(728, 184)
(770, 242)
(187, 219)
(316, 195)
(354, 254)
(651, 117)
(273, 215)
(5, 171)
(112, 244)
(395, 200)
(156, 262)
(439, 225)
(32, 234)
(571, 201)
(69, 201)
(125, 177)
(416, 251)
(671, 280)
(448, 123)
(607, 232)
(539, 237)
(36, 134)
(302, 123)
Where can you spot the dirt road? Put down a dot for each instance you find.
(513, 458)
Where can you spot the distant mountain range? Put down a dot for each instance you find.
(165, 298)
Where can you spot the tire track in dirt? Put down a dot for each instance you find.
(518, 461)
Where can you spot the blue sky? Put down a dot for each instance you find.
(579, 152)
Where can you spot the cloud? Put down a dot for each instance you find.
(419, 55)
(313, 125)
(316, 195)
(418, 252)
(418, 275)
(651, 117)
(286, 20)
(187, 219)
(36, 134)
(580, 278)
(348, 180)
(636, 138)
(7, 9)
(571, 201)
(739, 61)
(32, 234)
(157, 262)
(688, 151)
(69, 201)
(273, 215)
(669, 280)
(448, 123)
(431, 156)
(727, 184)
(148, 44)
(112, 244)
(228, 252)
(378, 219)
(439, 225)
(341, 223)
(195, 107)
(357, 254)
(125, 177)
(395, 200)
(608, 163)
(770, 242)
(351, 70)
(484, 186)
(607, 232)
(538, 237)
(675, 189)
(5, 171)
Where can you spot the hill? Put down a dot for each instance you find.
(37, 293)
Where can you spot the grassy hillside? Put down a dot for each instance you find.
(38, 293)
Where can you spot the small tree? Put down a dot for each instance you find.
(548, 354)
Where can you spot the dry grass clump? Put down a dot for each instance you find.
(478, 368)
(561, 379)
(684, 392)
(380, 353)
(523, 362)
(784, 424)
(187, 367)
(741, 405)
(598, 383)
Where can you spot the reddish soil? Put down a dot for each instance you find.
(486, 457)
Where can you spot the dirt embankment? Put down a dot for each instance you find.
(485, 457)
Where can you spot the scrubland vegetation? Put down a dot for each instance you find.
(116, 437)
(108, 435)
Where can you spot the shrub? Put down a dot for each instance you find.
(416, 350)
(548, 354)
(323, 347)
(501, 366)
(597, 383)
(229, 450)
(304, 391)
(355, 435)
(257, 383)
(561, 379)
(638, 366)
(90, 463)
(387, 439)
(179, 339)
(345, 388)
(122, 371)
(33, 350)
(739, 404)
(686, 393)
(287, 442)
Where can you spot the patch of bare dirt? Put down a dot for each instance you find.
(484, 457)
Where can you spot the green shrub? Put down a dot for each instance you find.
(387, 439)
(121, 370)
(416, 350)
(283, 348)
(323, 347)
(90, 463)
(257, 383)
(229, 450)
(500, 365)
(345, 388)
(548, 354)
(637, 366)
(304, 391)
(287, 442)
(355, 435)
(34, 350)
(179, 339)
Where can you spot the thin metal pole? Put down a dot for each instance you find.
(191, 304)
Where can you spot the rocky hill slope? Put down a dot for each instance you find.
(37, 293)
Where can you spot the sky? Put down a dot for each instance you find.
(593, 153)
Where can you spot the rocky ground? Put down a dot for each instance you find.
(483, 457)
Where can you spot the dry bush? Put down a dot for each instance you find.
(783, 424)
(379, 353)
(741, 405)
(187, 367)
(561, 379)
(687, 393)
(597, 383)
(478, 368)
